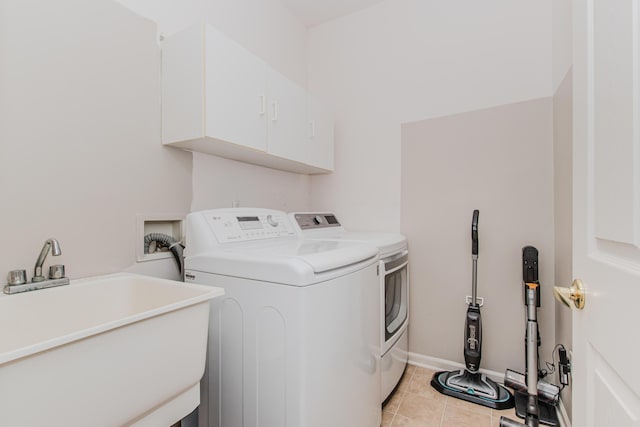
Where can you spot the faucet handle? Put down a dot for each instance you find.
(56, 271)
(17, 277)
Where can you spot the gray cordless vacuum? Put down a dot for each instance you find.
(469, 384)
(535, 400)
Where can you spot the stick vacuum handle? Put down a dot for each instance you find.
(474, 232)
(530, 264)
(530, 271)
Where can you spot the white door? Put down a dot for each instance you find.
(606, 389)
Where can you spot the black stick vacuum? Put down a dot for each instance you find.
(469, 384)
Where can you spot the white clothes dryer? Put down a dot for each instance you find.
(393, 284)
(294, 341)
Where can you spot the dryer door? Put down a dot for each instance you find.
(395, 298)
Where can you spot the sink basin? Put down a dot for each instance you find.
(114, 350)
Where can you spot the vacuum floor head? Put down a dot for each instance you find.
(473, 387)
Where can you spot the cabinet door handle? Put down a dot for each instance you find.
(263, 105)
(312, 129)
(274, 117)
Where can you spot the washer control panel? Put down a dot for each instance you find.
(229, 227)
(308, 221)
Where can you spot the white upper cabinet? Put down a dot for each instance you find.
(320, 135)
(235, 93)
(219, 98)
(287, 119)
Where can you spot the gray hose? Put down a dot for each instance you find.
(164, 241)
(161, 240)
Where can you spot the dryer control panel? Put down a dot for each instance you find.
(244, 226)
(308, 221)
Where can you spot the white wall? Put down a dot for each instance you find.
(251, 186)
(265, 27)
(407, 60)
(562, 39)
(563, 211)
(270, 31)
(500, 161)
(80, 126)
(410, 60)
(80, 135)
(563, 169)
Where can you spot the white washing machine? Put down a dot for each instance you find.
(294, 340)
(393, 284)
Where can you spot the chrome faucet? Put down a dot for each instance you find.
(18, 278)
(55, 251)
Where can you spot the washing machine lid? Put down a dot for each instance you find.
(291, 261)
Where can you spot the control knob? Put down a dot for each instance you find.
(272, 221)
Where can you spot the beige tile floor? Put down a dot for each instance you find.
(415, 403)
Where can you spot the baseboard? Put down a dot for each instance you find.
(565, 421)
(437, 364)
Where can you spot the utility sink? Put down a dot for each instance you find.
(109, 351)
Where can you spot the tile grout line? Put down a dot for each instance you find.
(392, 420)
(444, 409)
(402, 396)
(417, 375)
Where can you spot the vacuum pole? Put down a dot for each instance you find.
(532, 334)
(533, 412)
(474, 257)
(473, 321)
(532, 418)
(470, 384)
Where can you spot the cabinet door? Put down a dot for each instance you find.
(235, 93)
(320, 136)
(287, 137)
